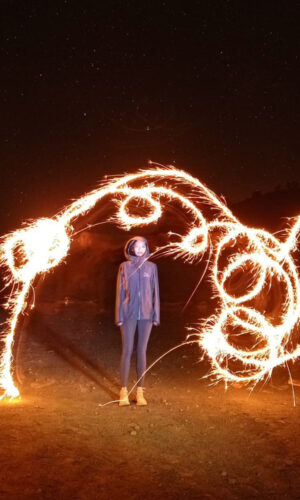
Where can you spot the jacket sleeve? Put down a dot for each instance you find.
(120, 296)
(156, 301)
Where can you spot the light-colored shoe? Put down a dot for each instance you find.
(140, 400)
(124, 401)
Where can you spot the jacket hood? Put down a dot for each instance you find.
(128, 249)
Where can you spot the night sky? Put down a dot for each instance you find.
(94, 88)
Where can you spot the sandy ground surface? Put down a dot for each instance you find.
(193, 440)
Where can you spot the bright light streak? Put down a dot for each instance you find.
(233, 250)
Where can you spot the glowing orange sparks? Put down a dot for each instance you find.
(233, 249)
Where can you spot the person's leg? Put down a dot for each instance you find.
(144, 330)
(128, 330)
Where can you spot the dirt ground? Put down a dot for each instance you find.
(192, 441)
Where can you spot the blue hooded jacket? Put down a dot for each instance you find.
(137, 294)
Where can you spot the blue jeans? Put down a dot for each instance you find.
(128, 333)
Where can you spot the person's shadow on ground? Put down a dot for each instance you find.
(60, 343)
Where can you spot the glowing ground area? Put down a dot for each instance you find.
(193, 440)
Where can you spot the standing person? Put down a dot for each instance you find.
(137, 306)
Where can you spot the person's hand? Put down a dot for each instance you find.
(155, 323)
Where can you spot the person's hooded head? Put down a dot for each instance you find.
(137, 249)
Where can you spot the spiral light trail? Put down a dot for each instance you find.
(236, 254)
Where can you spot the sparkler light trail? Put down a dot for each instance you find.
(243, 265)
